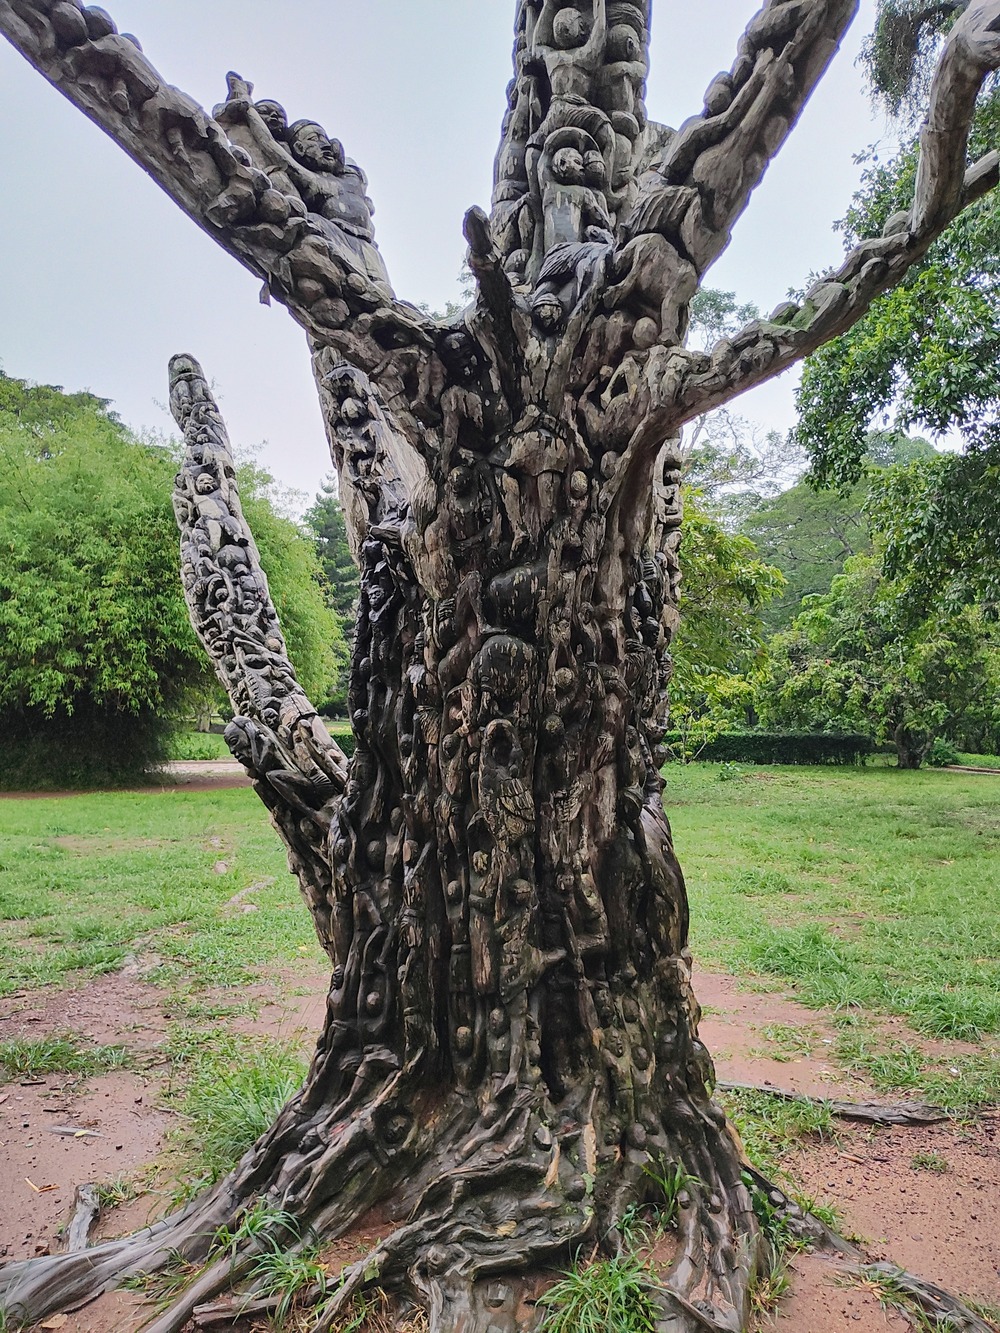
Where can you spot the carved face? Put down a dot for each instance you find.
(594, 170)
(273, 116)
(569, 29)
(567, 166)
(314, 150)
(205, 483)
(547, 313)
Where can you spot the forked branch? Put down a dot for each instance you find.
(685, 384)
(282, 198)
(297, 768)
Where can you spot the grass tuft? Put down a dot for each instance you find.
(233, 1089)
(24, 1057)
(608, 1294)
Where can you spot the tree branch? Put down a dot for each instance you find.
(277, 734)
(281, 198)
(709, 168)
(685, 383)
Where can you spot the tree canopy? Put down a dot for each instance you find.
(852, 660)
(90, 624)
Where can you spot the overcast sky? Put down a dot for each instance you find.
(102, 278)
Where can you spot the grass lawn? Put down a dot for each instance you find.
(85, 880)
(869, 889)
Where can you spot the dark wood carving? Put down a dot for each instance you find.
(511, 1036)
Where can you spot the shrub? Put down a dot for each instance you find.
(773, 747)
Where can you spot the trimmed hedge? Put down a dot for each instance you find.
(782, 747)
(343, 735)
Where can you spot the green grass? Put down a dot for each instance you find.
(771, 1127)
(611, 1294)
(230, 1088)
(23, 1057)
(866, 889)
(87, 880)
(188, 745)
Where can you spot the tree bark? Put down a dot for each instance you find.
(511, 1037)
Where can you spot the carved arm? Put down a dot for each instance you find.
(277, 735)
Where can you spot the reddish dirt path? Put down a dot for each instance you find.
(943, 1226)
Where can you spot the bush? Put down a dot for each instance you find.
(94, 746)
(942, 752)
(775, 747)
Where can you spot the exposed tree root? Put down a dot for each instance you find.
(868, 1113)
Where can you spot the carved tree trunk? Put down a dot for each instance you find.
(511, 1037)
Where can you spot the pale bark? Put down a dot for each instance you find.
(511, 1036)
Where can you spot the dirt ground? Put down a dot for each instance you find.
(56, 1134)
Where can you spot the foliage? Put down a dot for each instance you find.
(852, 660)
(96, 653)
(900, 55)
(808, 533)
(607, 1294)
(926, 354)
(724, 589)
(781, 747)
(341, 587)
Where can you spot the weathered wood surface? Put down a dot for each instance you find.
(511, 1036)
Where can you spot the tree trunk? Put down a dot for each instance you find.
(511, 1038)
(911, 748)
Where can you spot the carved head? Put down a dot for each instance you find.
(546, 312)
(273, 116)
(312, 147)
(569, 29)
(205, 483)
(595, 172)
(567, 166)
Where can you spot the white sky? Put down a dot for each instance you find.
(102, 278)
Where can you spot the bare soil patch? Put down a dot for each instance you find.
(734, 1029)
(940, 1223)
(119, 1007)
(56, 1135)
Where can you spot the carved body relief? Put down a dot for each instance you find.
(510, 1035)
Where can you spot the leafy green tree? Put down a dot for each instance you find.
(721, 638)
(97, 657)
(852, 661)
(926, 354)
(809, 532)
(325, 519)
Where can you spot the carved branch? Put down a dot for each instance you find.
(281, 198)
(708, 169)
(276, 734)
(683, 384)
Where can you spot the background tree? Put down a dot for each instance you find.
(854, 661)
(510, 1034)
(326, 521)
(98, 662)
(808, 531)
(926, 354)
(721, 637)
